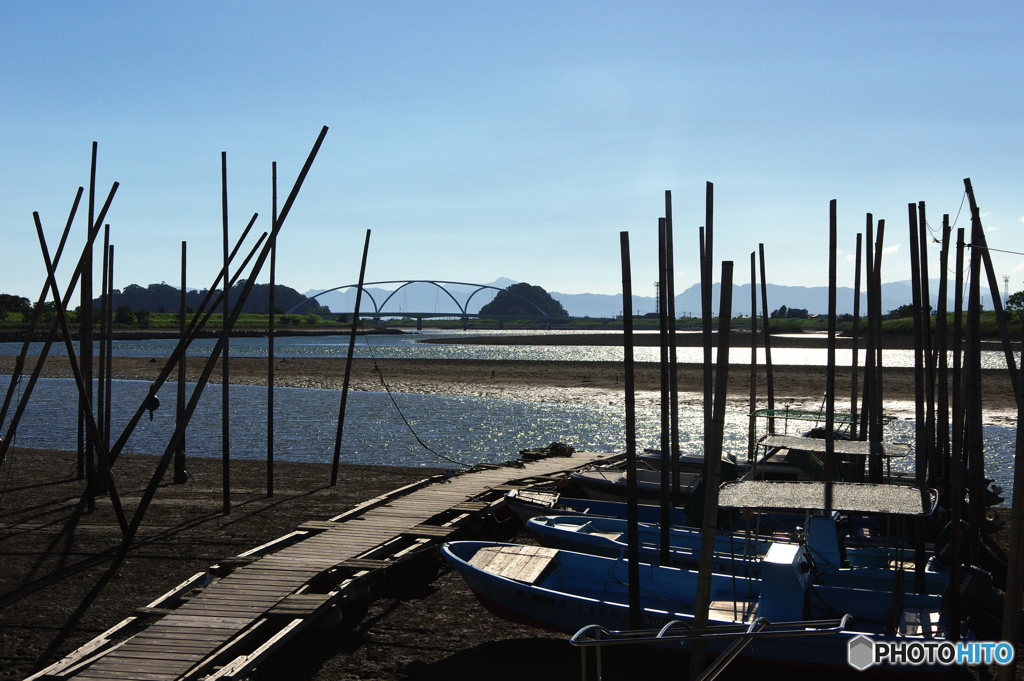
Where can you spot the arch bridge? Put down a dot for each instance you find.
(379, 309)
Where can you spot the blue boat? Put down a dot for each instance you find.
(566, 591)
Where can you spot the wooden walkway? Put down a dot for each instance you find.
(256, 601)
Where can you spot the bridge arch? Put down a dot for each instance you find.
(379, 310)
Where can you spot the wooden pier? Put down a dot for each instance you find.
(221, 623)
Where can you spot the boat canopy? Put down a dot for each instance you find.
(817, 445)
(846, 496)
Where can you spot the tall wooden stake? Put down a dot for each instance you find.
(348, 363)
(673, 371)
(830, 376)
(225, 414)
(632, 514)
(713, 461)
(769, 375)
(270, 334)
(666, 418)
(180, 475)
(751, 425)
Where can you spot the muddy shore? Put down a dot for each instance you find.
(58, 591)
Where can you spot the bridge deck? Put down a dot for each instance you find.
(224, 630)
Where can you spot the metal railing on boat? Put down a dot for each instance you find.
(741, 634)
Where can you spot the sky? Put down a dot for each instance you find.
(485, 140)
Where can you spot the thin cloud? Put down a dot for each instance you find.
(850, 257)
(1021, 219)
(889, 250)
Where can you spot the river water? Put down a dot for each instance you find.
(406, 429)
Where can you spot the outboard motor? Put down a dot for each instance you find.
(981, 607)
(987, 557)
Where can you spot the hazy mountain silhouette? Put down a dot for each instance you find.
(814, 299)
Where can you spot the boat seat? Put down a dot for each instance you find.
(728, 610)
(919, 622)
(520, 563)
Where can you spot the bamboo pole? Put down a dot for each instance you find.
(830, 376)
(951, 466)
(225, 389)
(632, 514)
(980, 243)
(957, 460)
(973, 439)
(867, 397)
(707, 313)
(199, 320)
(110, 348)
(12, 427)
(877, 394)
(348, 364)
(751, 425)
(767, 343)
(666, 412)
(180, 475)
(714, 464)
(929, 357)
(19, 362)
(673, 371)
(921, 423)
(147, 496)
(1015, 558)
(856, 341)
(270, 334)
(85, 354)
(90, 420)
(941, 346)
(101, 369)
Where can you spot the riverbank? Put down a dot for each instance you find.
(800, 387)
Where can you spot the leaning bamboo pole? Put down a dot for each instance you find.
(44, 351)
(348, 364)
(161, 469)
(19, 362)
(89, 417)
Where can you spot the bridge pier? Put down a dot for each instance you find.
(419, 323)
(465, 323)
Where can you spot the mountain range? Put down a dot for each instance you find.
(425, 297)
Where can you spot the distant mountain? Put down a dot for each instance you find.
(814, 299)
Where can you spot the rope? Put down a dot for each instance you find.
(380, 374)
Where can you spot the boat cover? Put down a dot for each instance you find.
(846, 496)
(814, 444)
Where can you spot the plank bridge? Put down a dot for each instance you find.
(222, 623)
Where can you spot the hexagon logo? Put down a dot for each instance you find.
(860, 652)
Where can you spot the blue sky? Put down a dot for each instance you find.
(480, 140)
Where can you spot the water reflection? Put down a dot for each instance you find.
(467, 429)
(409, 346)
